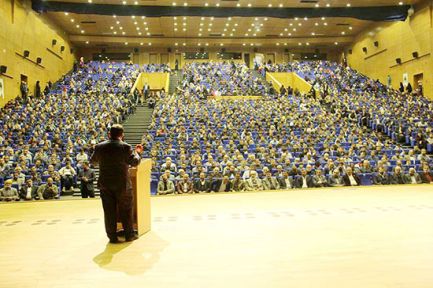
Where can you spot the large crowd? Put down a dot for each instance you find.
(349, 131)
(45, 141)
(221, 79)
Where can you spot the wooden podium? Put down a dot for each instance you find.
(140, 178)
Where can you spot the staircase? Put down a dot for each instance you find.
(134, 128)
(175, 79)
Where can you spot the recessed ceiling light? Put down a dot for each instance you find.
(323, 18)
(251, 44)
(285, 44)
(278, 44)
(207, 44)
(254, 34)
(222, 44)
(150, 44)
(294, 29)
(142, 17)
(184, 29)
(290, 34)
(348, 5)
(243, 44)
(269, 5)
(184, 24)
(326, 24)
(400, 3)
(124, 2)
(218, 5)
(123, 33)
(135, 23)
(308, 44)
(114, 16)
(336, 43)
(317, 5)
(249, 5)
(305, 18)
(206, 4)
(223, 34)
(343, 33)
(141, 43)
(199, 34)
(138, 28)
(89, 1)
(238, 5)
(175, 18)
(174, 3)
(185, 4)
(236, 24)
(78, 26)
(209, 30)
(246, 34)
(117, 22)
(350, 28)
(313, 34)
(281, 5)
(175, 44)
(133, 17)
(266, 19)
(66, 13)
(317, 24)
(139, 33)
(111, 27)
(72, 20)
(296, 18)
(328, 5)
(115, 32)
(211, 18)
(175, 29)
(121, 28)
(82, 31)
(87, 42)
(184, 44)
(148, 34)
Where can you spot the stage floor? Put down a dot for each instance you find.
(350, 237)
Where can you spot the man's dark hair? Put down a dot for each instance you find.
(116, 131)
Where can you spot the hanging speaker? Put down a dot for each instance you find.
(286, 50)
(364, 49)
(3, 69)
(350, 51)
(255, 50)
(26, 53)
(39, 60)
(53, 42)
(398, 60)
(202, 50)
(376, 43)
(415, 54)
(62, 48)
(71, 50)
(135, 50)
(169, 50)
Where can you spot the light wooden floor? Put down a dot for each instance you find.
(352, 237)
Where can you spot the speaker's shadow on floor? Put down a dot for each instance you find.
(132, 258)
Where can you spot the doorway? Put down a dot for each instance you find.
(153, 58)
(417, 81)
(178, 59)
(270, 58)
(247, 59)
(164, 58)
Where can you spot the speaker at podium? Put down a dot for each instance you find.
(140, 178)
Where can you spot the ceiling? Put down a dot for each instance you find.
(191, 31)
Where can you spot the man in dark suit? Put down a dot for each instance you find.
(29, 191)
(201, 184)
(351, 179)
(87, 175)
(114, 158)
(381, 178)
(304, 180)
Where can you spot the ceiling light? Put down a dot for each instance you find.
(229, 19)
(141, 43)
(184, 18)
(82, 31)
(123, 33)
(336, 43)
(312, 33)
(291, 24)
(249, 5)
(200, 29)
(121, 28)
(400, 3)
(139, 33)
(72, 20)
(115, 32)
(89, 1)
(294, 29)
(150, 44)
(209, 30)
(174, 3)
(175, 18)
(285, 44)
(202, 18)
(218, 5)
(175, 44)
(225, 30)
(175, 24)
(251, 44)
(175, 29)
(308, 44)
(281, 5)
(246, 34)
(221, 44)
(223, 34)
(126, 43)
(211, 18)
(207, 44)
(87, 42)
(328, 5)
(300, 44)
(199, 34)
(256, 19)
(238, 5)
(266, 19)
(184, 24)
(278, 44)
(201, 24)
(299, 24)
(135, 23)
(78, 26)
(323, 18)
(350, 28)
(326, 24)
(343, 33)
(117, 22)
(236, 24)
(243, 44)
(124, 2)
(285, 29)
(317, 24)
(269, 5)
(133, 17)
(148, 34)
(348, 5)
(185, 4)
(206, 4)
(184, 44)
(290, 34)
(254, 34)
(66, 13)
(147, 29)
(138, 28)
(317, 5)
(184, 29)
(305, 18)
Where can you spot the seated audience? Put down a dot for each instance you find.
(29, 191)
(351, 179)
(185, 185)
(165, 185)
(270, 182)
(49, 190)
(413, 177)
(9, 193)
(381, 178)
(201, 184)
(254, 183)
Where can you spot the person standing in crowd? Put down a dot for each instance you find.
(38, 90)
(86, 176)
(24, 90)
(114, 158)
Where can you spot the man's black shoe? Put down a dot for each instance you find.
(130, 239)
(114, 241)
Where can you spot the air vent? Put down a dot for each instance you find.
(215, 35)
(309, 1)
(342, 24)
(271, 35)
(88, 22)
(157, 35)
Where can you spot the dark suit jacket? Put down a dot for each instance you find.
(90, 175)
(298, 181)
(114, 158)
(23, 192)
(199, 187)
(282, 182)
(379, 179)
(347, 180)
(218, 185)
